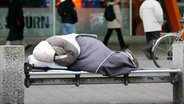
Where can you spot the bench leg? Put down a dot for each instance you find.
(178, 90)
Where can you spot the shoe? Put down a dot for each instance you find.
(27, 46)
(134, 59)
(8, 43)
(156, 58)
(125, 47)
(147, 54)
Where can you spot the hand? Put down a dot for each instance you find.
(59, 57)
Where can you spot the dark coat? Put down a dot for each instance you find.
(15, 21)
(67, 12)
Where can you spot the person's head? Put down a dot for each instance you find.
(62, 1)
(69, 3)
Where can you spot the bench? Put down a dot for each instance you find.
(47, 76)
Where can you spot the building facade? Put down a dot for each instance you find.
(41, 18)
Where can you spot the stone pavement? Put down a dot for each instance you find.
(104, 94)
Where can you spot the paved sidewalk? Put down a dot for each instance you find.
(103, 94)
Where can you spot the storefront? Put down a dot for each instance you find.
(41, 18)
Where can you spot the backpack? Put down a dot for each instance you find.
(109, 14)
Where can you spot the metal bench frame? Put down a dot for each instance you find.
(39, 76)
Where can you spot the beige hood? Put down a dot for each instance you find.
(44, 52)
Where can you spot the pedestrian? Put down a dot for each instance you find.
(68, 14)
(85, 53)
(115, 25)
(151, 14)
(15, 22)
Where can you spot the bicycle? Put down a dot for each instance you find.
(162, 48)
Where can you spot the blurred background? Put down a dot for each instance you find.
(41, 18)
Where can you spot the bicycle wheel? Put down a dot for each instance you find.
(162, 50)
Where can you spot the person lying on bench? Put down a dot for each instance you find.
(85, 53)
